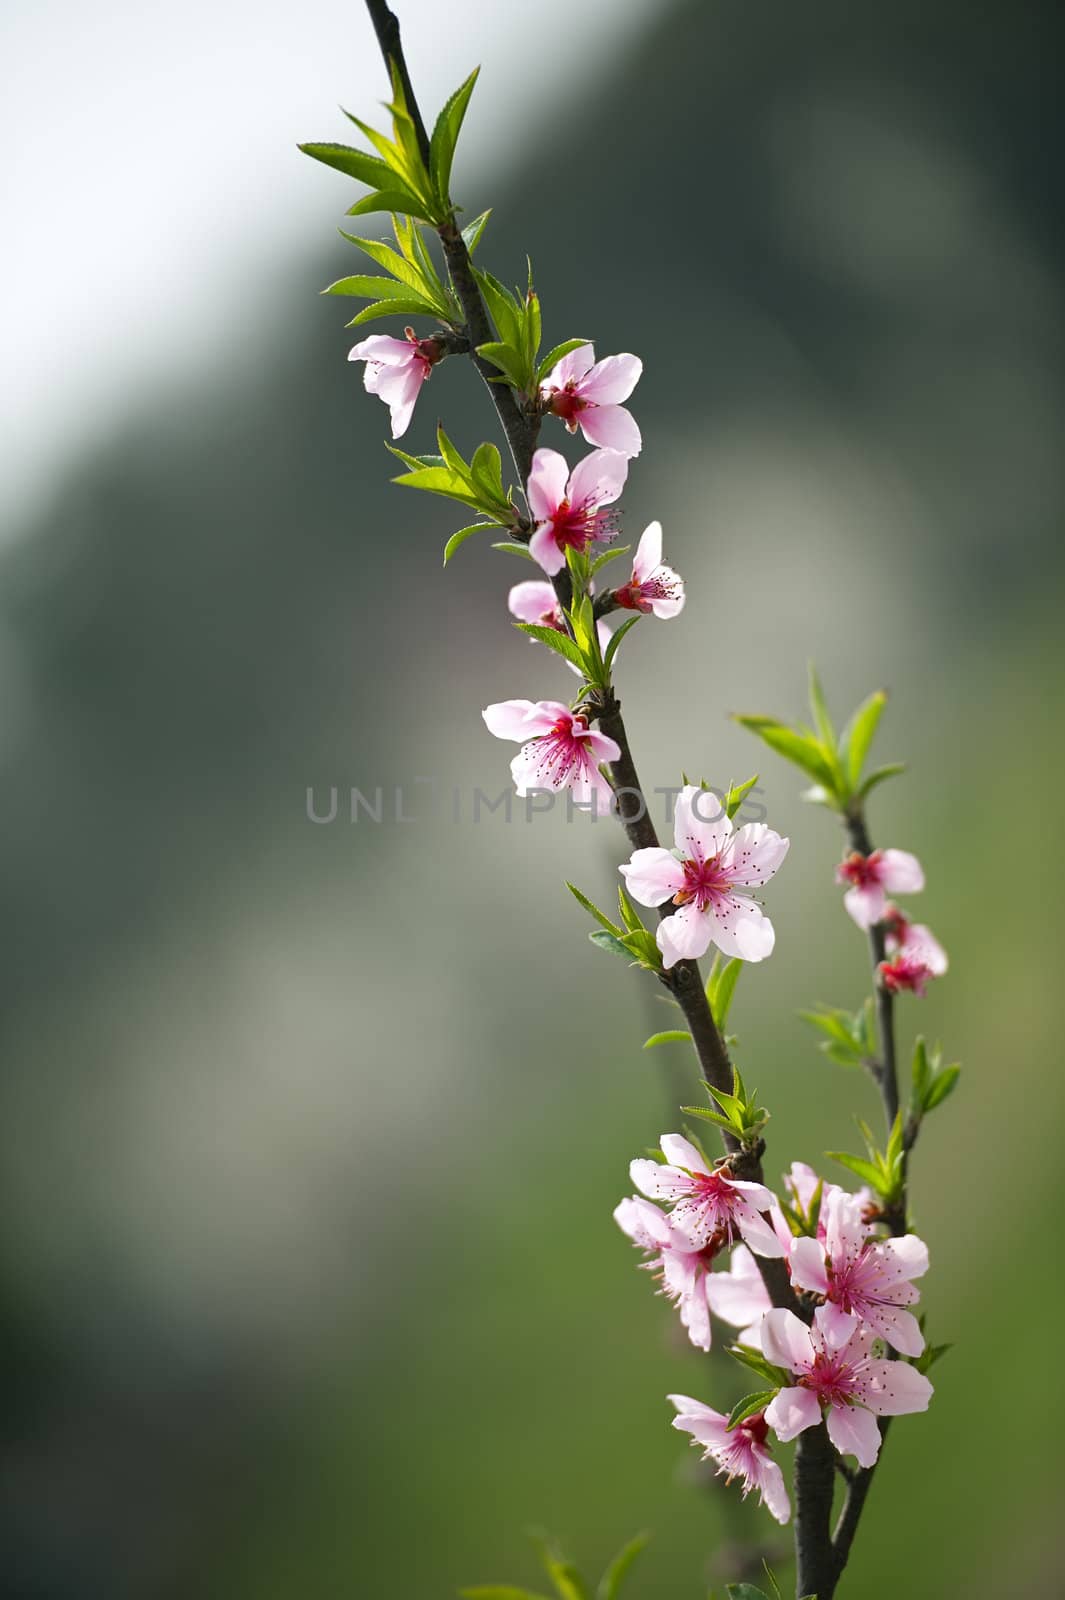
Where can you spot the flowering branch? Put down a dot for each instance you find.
(819, 1282)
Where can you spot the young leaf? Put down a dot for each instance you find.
(592, 910)
(720, 988)
(608, 941)
(819, 710)
(890, 771)
(944, 1083)
(749, 1406)
(445, 137)
(802, 749)
(608, 555)
(461, 537)
(758, 1363)
(615, 641)
(376, 174)
(554, 356)
(561, 643)
(618, 1570)
(471, 233)
(512, 548)
(857, 736)
(737, 793)
(668, 1037)
(747, 1591)
(395, 200)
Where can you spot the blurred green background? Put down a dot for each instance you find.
(311, 1134)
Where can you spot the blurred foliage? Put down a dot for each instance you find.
(312, 1134)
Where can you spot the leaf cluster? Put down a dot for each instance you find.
(739, 1112)
(885, 1170)
(835, 762)
(850, 1036)
(566, 1579)
(477, 483)
(518, 323)
(411, 287)
(931, 1081)
(398, 177)
(630, 940)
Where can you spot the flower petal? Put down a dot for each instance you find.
(792, 1411)
(531, 601)
(754, 853)
(701, 825)
(741, 928)
(648, 552)
(598, 479)
(865, 906)
(854, 1432)
(738, 1296)
(680, 1152)
(571, 368)
(652, 876)
(381, 347)
(683, 936)
(611, 426)
(808, 1266)
(515, 719)
(545, 548)
(900, 872)
(894, 1388)
(659, 1182)
(611, 380)
(787, 1342)
(547, 483)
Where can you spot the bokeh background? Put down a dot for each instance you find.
(311, 1134)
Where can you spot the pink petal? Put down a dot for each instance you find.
(700, 824)
(684, 936)
(659, 1182)
(865, 906)
(909, 1254)
(771, 1485)
(740, 928)
(838, 1326)
(845, 1231)
(515, 719)
(648, 552)
(921, 945)
(754, 853)
(644, 1223)
(756, 1231)
(652, 876)
(901, 873)
(382, 347)
(854, 1432)
(591, 790)
(670, 604)
(680, 1152)
(531, 600)
(601, 745)
(738, 1296)
(611, 380)
(544, 548)
(787, 1342)
(598, 479)
(612, 427)
(792, 1410)
(547, 483)
(401, 402)
(571, 368)
(695, 1313)
(894, 1388)
(808, 1266)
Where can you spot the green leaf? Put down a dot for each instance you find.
(861, 1169)
(615, 641)
(737, 793)
(756, 1362)
(561, 643)
(857, 736)
(391, 308)
(802, 749)
(426, 285)
(945, 1082)
(445, 137)
(930, 1355)
(461, 537)
(608, 941)
(706, 1115)
(749, 1406)
(618, 1570)
(774, 1585)
(394, 200)
(563, 1574)
(439, 480)
(592, 910)
(921, 1074)
(554, 356)
(879, 776)
(509, 359)
(819, 710)
(746, 1591)
(486, 470)
(720, 988)
(499, 1591)
(376, 174)
(504, 308)
(669, 1036)
(607, 555)
(513, 548)
(471, 233)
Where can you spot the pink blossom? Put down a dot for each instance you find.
(715, 864)
(536, 601)
(707, 1202)
(739, 1296)
(396, 370)
(863, 1279)
(588, 397)
(567, 507)
(913, 941)
(652, 586)
(559, 750)
(844, 1382)
(905, 972)
(740, 1452)
(873, 878)
(685, 1271)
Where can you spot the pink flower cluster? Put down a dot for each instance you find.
(915, 956)
(855, 1286)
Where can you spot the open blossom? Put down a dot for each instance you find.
(913, 941)
(905, 972)
(863, 1279)
(706, 1202)
(741, 1452)
(396, 370)
(873, 878)
(652, 586)
(706, 884)
(558, 750)
(685, 1271)
(536, 601)
(844, 1381)
(739, 1297)
(567, 507)
(587, 394)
